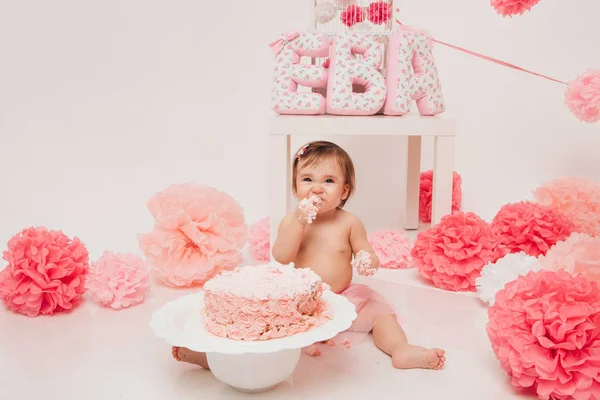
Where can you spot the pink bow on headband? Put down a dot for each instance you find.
(277, 45)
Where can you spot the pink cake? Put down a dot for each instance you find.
(263, 302)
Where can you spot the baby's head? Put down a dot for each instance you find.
(323, 169)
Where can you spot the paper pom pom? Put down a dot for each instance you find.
(495, 275)
(260, 240)
(426, 194)
(577, 198)
(118, 280)
(513, 7)
(582, 96)
(199, 232)
(578, 254)
(530, 227)
(45, 274)
(545, 331)
(392, 248)
(379, 12)
(352, 15)
(452, 253)
(325, 12)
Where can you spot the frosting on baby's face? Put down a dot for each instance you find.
(324, 179)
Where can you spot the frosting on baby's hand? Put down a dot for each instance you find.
(308, 208)
(362, 263)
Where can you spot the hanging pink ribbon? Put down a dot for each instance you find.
(277, 45)
(494, 60)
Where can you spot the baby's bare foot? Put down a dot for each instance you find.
(410, 356)
(189, 356)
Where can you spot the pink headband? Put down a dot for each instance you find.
(301, 151)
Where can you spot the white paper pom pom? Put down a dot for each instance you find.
(325, 12)
(508, 268)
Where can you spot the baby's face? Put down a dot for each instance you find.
(324, 179)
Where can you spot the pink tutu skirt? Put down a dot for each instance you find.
(369, 304)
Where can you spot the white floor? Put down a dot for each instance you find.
(96, 353)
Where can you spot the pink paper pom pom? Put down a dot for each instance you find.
(582, 96)
(544, 328)
(199, 232)
(530, 227)
(379, 12)
(452, 253)
(426, 194)
(513, 7)
(45, 274)
(392, 248)
(578, 254)
(118, 280)
(260, 240)
(577, 198)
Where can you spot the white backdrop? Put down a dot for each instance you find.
(103, 103)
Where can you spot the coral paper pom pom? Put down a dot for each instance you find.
(260, 240)
(118, 280)
(577, 198)
(452, 253)
(426, 194)
(379, 12)
(497, 274)
(545, 330)
(513, 7)
(199, 232)
(578, 254)
(352, 15)
(392, 248)
(45, 274)
(582, 96)
(530, 227)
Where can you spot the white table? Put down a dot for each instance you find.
(413, 127)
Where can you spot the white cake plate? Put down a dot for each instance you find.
(248, 366)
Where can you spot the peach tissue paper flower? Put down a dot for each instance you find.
(198, 233)
(578, 254)
(392, 247)
(45, 274)
(582, 96)
(118, 280)
(260, 240)
(544, 329)
(513, 7)
(452, 253)
(577, 198)
(530, 227)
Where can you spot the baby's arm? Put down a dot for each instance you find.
(289, 237)
(365, 259)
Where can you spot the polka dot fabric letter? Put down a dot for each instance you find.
(289, 73)
(345, 69)
(412, 75)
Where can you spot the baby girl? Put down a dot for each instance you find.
(322, 236)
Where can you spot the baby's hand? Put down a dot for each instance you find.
(307, 209)
(362, 263)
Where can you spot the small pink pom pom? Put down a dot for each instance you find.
(513, 7)
(260, 240)
(352, 15)
(530, 227)
(379, 12)
(452, 253)
(578, 254)
(45, 274)
(426, 194)
(582, 96)
(544, 329)
(392, 248)
(199, 232)
(577, 198)
(118, 280)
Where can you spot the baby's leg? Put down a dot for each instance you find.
(189, 356)
(390, 338)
